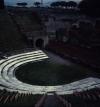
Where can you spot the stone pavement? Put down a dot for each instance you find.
(52, 101)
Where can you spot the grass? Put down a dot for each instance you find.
(46, 73)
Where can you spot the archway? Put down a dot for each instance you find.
(39, 43)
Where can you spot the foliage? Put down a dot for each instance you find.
(90, 7)
(1, 4)
(63, 4)
(59, 4)
(37, 4)
(72, 4)
(23, 4)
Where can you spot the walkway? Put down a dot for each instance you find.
(57, 59)
(52, 101)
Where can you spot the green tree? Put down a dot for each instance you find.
(22, 4)
(90, 7)
(37, 4)
(59, 4)
(1, 4)
(71, 4)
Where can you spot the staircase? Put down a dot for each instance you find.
(52, 101)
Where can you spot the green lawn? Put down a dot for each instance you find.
(46, 73)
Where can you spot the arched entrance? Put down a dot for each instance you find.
(39, 43)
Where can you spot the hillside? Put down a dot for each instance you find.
(10, 38)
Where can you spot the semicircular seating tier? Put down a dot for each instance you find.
(9, 81)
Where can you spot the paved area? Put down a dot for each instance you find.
(52, 101)
(9, 82)
(57, 59)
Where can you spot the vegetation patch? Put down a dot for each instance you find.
(46, 73)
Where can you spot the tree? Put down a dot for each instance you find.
(71, 4)
(54, 4)
(59, 4)
(37, 4)
(1, 4)
(22, 4)
(90, 7)
(63, 4)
